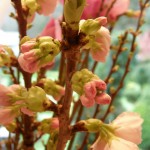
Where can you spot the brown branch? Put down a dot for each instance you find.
(28, 137)
(71, 49)
(13, 75)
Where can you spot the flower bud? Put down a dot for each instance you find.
(49, 125)
(36, 98)
(72, 12)
(52, 88)
(103, 99)
(91, 26)
(7, 56)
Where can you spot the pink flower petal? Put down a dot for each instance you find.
(7, 116)
(90, 90)
(4, 98)
(103, 99)
(27, 111)
(87, 102)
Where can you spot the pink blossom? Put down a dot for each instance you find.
(60, 92)
(103, 40)
(29, 64)
(7, 116)
(5, 92)
(27, 46)
(46, 6)
(27, 111)
(123, 133)
(100, 84)
(115, 144)
(52, 29)
(128, 123)
(86, 101)
(103, 99)
(54, 123)
(91, 93)
(90, 90)
(4, 98)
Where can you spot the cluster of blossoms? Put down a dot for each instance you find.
(44, 7)
(51, 88)
(98, 37)
(122, 133)
(7, 57)
(37, 53)
(15, 100)
(90, 88)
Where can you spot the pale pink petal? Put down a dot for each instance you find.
(103, 99)
(103, 39)
(4, 98)
(121, 144)
(28, 65)
(60, 93)
(6, 116)
(100, 84)
(99, 144)
(27, 46)
(113, 144)
(130, 134)
(90, 90)
(54, 123)
(126, 118)
(87, 102)
(128, 123)
(27, 111)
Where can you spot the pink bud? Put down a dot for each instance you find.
(90, 90)
(100, 84)
(28, 64)
(4, 98)
(27, 46)
(27, 111)
(54, 123)
(103, 99)
(103, 39)
(102, 20)
(60, 93)
(87, 102)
